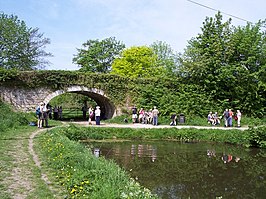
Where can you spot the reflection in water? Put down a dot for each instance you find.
(177, 170)
(96, 152)
(143, 151)
(211, 153)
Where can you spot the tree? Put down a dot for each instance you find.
(98, 56)
(21, 47)
(227, 62)
(207, 53)
(166, 57)
(137, 62)
(248, 65)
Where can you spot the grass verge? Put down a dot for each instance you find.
(82, 174)
(19, 176)
(253, 137)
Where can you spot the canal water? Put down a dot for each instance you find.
(191, 170)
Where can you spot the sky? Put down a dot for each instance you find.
(70, 23)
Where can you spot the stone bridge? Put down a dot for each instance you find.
(27, 99)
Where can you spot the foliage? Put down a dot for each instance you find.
(257, 136)
(72, 101)
(172, 97)
(7, 74)
(137, 62)
(82, 174)
(169, 95)
(166, 58)
(227, 62)
(98, 56)
(10, 119)
(21, 47)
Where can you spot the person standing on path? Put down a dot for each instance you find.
(90, 115)
(155, 114)
(55, 113)
(173, 119)
(60, 112)
(238, 114)
(141, 115)
(45, 115)
(230, 119)
(84, 111)
(134, 114)
(97, 115)
(226, 116)
(39, 112)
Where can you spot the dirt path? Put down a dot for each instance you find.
(20, 184)
(137, 125)
(36, 160)
(25, 177)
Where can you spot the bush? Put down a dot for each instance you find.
(11, 119)
(257, 136)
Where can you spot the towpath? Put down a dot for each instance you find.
(137, 125)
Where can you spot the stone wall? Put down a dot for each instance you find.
(24, 99)
(27, 99)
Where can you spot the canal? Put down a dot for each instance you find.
(190, 170)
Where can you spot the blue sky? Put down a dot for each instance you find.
(69, 23)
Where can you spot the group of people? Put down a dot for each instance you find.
(145, 117)
(44, 112)
(93, 114)
(228, 116)
(213, 118)
(57, 112)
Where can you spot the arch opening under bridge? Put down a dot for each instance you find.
(108, 109)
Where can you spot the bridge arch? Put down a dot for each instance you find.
(108, 109)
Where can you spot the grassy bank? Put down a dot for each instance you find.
(254, 137)
(19, 176)
(83, 175)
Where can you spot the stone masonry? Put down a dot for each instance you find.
(27, 100)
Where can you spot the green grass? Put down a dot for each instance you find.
(14, 142)
(82, 174)
(255, 137)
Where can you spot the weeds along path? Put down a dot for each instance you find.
(21, 174)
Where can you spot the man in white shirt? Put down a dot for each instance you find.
(155, 114)
(97, 115)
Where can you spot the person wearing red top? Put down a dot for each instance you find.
(230, 119)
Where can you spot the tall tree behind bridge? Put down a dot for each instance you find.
(21, 47)
(98, 56)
